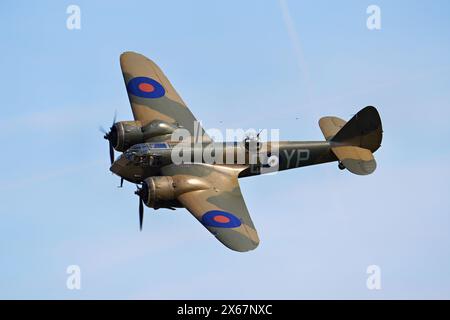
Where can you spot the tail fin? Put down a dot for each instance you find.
(354, 141)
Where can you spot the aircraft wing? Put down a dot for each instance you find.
(220, 207)
(152, 96)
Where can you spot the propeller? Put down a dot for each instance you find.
(142, 193)
(141, 213)
(111, 136)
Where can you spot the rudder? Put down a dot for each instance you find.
(363, 130)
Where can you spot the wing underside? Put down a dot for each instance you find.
(152, 96)
(220, 207)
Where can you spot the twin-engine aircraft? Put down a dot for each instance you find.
(209, 189)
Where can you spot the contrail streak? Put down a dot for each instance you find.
(295, 40)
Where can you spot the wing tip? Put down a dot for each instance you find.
(243, 249)
(246, 245)
(131, 55)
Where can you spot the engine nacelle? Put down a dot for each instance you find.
(162, 191)
(125, 134)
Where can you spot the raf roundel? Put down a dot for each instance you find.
(145, 88)
(220, 219)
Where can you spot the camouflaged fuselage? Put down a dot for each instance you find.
(203, 177)
(145, 160)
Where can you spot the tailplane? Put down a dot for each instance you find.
(353, 142)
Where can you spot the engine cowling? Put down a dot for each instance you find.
(162, 191)
(125, 134)
(159, 192)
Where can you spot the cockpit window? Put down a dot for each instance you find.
(159, 145)
(138, 148)
(144, 149)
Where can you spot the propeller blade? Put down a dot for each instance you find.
(115, 117)
(111, 152)
(141, 213)
(102, 130)
(111, 136)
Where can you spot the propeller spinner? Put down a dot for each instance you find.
(111, 136)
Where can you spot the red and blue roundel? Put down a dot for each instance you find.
(220, 219)
(145, 88)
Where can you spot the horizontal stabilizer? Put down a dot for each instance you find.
(330, 126)
(357, 160)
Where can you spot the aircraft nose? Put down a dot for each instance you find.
(118, 165)
(124, 168)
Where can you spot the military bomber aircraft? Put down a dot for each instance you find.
(208, 188)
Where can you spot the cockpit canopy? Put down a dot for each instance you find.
(145, 148)
(146, 154)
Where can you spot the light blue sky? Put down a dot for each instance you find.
(236, 65)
